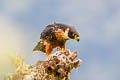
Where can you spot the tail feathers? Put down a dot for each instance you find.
(40, 47)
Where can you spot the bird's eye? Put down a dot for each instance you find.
(73, 34)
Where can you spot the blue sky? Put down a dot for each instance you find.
(98, 22)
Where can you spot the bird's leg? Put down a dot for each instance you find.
(48, 49)
(62, 47)
(59, 48)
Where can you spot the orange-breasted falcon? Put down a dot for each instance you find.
(56, 35)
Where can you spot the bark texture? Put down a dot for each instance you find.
(56, 67)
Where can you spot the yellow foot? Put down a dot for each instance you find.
(61, 49)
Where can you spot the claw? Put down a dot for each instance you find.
(61, 49)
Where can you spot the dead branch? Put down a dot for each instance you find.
(57, 67)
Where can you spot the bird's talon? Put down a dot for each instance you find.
(59, 48)
(62, 49)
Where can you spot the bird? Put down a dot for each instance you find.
(55, 35)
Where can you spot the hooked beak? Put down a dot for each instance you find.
(78, 40)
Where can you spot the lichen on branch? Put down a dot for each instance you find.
(56, 67)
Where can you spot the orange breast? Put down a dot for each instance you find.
(59, 35)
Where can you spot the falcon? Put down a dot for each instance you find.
(55, 36)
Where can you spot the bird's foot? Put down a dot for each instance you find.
(61, 49)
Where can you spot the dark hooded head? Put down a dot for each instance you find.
(73, 34)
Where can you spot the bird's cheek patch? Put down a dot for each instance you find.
(67, 31)
(65, 35)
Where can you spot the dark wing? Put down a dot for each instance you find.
(48, 33)
(61, 26)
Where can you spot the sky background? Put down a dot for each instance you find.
(98, 21)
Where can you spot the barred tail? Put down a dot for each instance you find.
(40, 47)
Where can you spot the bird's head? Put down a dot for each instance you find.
(73, 34)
